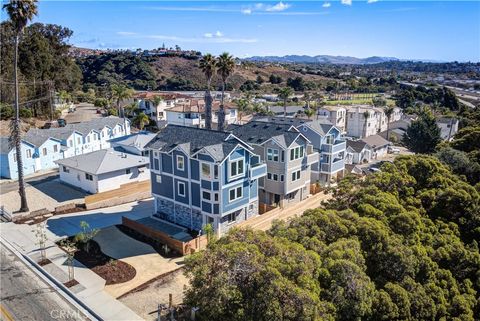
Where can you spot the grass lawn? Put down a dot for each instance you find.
(390, 102)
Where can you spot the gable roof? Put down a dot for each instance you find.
(37, 137)
(356, 145)
(103, 161)
(192, 140)
(321, 126)
(5, 147)
(376, 141)
(138, 140)
(259, 132)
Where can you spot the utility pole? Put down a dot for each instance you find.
(50, 98)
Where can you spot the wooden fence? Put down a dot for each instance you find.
(126, 193)
(263, 208)
(180, 247)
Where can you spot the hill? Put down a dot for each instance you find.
(173, 73)
(323, 59)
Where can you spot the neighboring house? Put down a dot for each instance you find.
(47, 149)
(134, 143)
(204, 177)
(157, 113)
(8, 159)
(192, 113)
(354, 170)
(336, 115)
(378, 144)
(288, 155)
(292, 111)
(448, 127)
(358, 152)
(359, 126)
(326, 140)
(103, 170)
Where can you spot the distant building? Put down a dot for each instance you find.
(103, 170)
(192, 113)
(358, 152)
(335, 115)
(364, 120)
(448, 127)
(133, 143)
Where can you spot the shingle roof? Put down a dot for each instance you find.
(138, 140)
(5, 147)
(103, 161)
(356, 145)
(376, 141)
(198, 105)
(258, 132)
(192, 140)
(322, 126)
(95, 124)
(38, 137)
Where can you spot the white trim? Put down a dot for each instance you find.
(237, 198)
(232, 177)
(183, 162)
(184, 189)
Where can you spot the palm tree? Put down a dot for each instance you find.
(225, 66)
(284, 93)
(309, 112)
(388, 112)
(141, 120)
(156, 101)
(20, 13)
(130, 109)
(208, 66)
(366, 115)
(243, 107)
(119, 93)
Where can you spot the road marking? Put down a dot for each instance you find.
(5, 313)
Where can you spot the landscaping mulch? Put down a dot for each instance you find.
(71, 283)
(44, 262)
(113, 271)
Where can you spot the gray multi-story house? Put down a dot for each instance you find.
(204, 177)
(326, 141)
(288, 155)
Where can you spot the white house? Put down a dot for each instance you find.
(103, 170)
(364, 120)
(378, 144)
(134, 143)
(448, 127)
(357, 152)
(337, 115)
(192, 114)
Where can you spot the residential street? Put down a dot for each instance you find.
(84, 112)
(25, 296)
(31, 180)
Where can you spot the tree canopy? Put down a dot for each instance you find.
(399, 245)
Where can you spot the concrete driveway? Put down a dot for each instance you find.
(146, 261)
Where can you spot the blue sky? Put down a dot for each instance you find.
(436, 30)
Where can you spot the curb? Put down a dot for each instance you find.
(59, 288)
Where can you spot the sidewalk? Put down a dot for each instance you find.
(92, 291)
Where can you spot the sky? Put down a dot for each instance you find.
(431, 30)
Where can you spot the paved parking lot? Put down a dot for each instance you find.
(46, 193)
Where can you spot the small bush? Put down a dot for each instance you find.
(6, 112)
(25, 113)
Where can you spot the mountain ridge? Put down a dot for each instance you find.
(326, 59)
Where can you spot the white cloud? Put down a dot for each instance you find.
(218, 34)
(347, 2)
(126, 33)
(371, 1)
(327, 5)
(278, 7)
(246, 11)
(208, 35)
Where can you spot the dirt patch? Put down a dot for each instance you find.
(44, 262)
(71, 283)
(113, 271)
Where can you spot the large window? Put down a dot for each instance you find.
(235, 193)
(272, 177)
(206, 171)
(180, 162)
(236, 168)
(296, 153)
(232, 217)
(272, 154)
(295, 176)
(181, 188)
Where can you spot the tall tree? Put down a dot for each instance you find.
(141, 120)
(388, 112)
(225, 66)
(20, 13)
(119, 93)
(283, 94)
(208, 66)
(423, 134)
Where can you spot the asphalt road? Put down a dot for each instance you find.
(24, 296)
(13, 186)
(84, 112)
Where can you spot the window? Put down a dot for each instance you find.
(282, 178)
(180, 163)
(215, 171)
(55, 148)
(70, 143)
(235, 193)
(206, 195)
(88, 139)
(65, 169)
(158, 179)
(78, 140)
(128, 171)
(88, 177)
(103, 134)
(15, 157)
(295, 176)
(236, 168)
(181, 188)
(206, 171)
(275, 177)
(29, 153)
(272, 154)
(283, 156)
(231, 217)
(216, 197)
(296, 153)
(44, 151)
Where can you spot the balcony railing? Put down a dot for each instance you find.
(258, 170)
(336, 147)
(333, 167)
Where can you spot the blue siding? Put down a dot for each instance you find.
(205, 157)
(182, 173)
(9, 166)
(5, 166)
(254, 189)
(47, 161)
(206, 207)
(165, 188)
(195, 194)
(166, 163)
(206, 184)
(179, 198)
(228, 206)
(194, 170)
(215, 186)
(216, 209)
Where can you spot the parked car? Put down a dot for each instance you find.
(393, 150)
(61, 122)
(50, 124)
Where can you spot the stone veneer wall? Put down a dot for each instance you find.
(179, 214)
